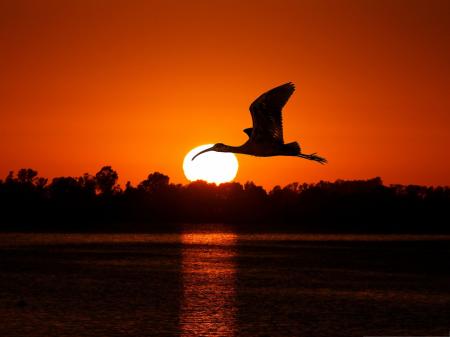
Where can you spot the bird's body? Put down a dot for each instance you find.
(266, 135)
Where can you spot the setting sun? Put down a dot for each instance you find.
(213, 167)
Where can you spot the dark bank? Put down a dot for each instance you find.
(97, 203)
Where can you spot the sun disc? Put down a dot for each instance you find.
(213, 167)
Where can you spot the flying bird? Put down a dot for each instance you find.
(266, 135)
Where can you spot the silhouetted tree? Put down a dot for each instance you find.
(106, 180)
(155, 182)
(26, 176)
(10, 177)
(62, 188)
(40, 183)
(88, 182)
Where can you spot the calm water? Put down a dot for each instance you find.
(223, 284)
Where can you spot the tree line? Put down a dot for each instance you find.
(28, 201)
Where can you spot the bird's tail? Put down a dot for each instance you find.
(292, 149)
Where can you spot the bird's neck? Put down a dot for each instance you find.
(234, 149)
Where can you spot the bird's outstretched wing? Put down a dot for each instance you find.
(266, 114)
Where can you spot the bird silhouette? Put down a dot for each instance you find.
(266, 135)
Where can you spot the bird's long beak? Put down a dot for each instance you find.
(210, 149)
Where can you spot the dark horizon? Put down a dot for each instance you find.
(82, 203)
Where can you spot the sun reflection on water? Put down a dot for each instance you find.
(208, 267)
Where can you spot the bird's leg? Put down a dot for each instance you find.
(314, 157)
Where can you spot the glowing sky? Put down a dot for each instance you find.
(137, 84)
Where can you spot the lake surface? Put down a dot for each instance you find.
(224, 284)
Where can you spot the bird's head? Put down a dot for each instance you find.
(219, 147)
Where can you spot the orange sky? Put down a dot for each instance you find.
(137, 84)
